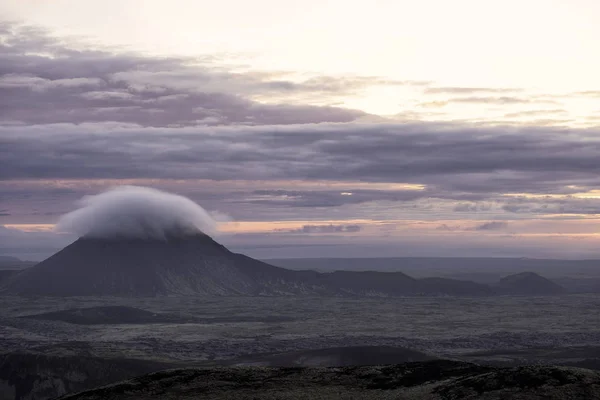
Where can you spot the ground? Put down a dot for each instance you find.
(212, 331)
(426, 380)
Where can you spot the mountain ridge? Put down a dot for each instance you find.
(195, 264)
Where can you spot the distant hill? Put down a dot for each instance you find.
(372, 283)
(479, 269)
(7, 259)
(528, 283)
(8, 265)
(576, 276)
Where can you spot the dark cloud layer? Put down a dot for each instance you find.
(268, 146)
(491, 226)
(329, 198)
(552, 205)
(469, 161)
(43, 80)
(68, 112)
(308, 229)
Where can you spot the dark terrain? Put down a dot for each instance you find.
(43, 356)
(107, 315)
(110, 315)
(424, 380)
(336, 357)
(30, 375)
(102, 311)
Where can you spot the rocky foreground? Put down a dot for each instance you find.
(440, 379)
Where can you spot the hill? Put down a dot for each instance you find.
(9, 259)
(529, 283)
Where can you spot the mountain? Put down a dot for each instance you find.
(194, 264)
(431, 380)
(369, 283)
(11, 265)
(186, 264)
(373, 283)
(528, 283)
(6, 274)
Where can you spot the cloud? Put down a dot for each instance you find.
(468, 90)
(471, 207)
(308, 229)
(588, 93)
(38, 84)
(328, 198)
(485, 226)
(500, 100)
(491, 226)
(136, 212)
(467, 243)
(448, 228)
(44, 80)
(467, 163)
(535, 113)
(567, 205)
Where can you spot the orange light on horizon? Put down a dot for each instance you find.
(31, 227)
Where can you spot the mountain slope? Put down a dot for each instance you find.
(193, 264)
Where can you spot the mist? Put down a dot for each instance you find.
(136, 212)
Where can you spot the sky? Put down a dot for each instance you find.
(315, 128)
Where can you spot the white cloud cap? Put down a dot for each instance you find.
(136, 212)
